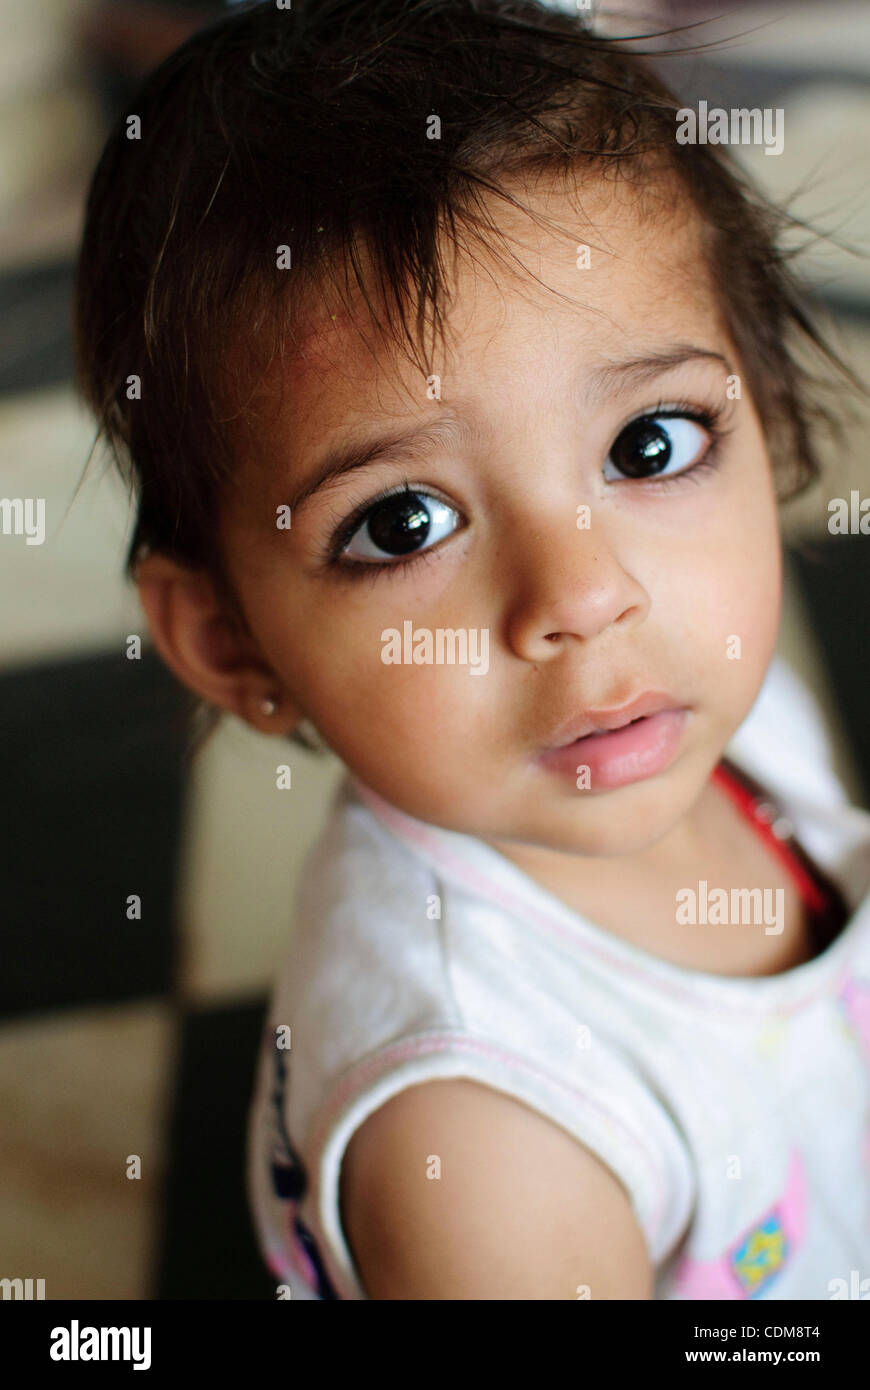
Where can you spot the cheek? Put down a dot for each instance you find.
(732, 597)
(377, 715)
(757, 569)
(711, 564)
(412, 734)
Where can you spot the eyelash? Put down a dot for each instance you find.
(350, 526)
(709, 418)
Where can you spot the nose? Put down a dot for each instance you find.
(570, 586)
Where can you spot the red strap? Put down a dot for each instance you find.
(815, 899)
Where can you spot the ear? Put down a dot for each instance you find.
(207, 648)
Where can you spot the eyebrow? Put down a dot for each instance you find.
(414, 443)
(418, 443)
(607, 380)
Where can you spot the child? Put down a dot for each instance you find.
(459, 397)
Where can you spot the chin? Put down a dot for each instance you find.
(611, 841)
(618, 845)
(614, 826)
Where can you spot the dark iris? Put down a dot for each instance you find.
(642, 449)
(399, 525)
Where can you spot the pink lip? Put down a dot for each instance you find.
(598, 721)
(618, 752)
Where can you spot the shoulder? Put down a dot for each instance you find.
(455, 1190)
(362, 933)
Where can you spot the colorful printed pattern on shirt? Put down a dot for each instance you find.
(761, 1255)
(290, 1183)
(747, 1268)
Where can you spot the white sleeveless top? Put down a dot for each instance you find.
(734, 1111)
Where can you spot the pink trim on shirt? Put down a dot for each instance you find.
(301, 1259)
(277, 1259)
(414, 832)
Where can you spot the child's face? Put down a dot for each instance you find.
(673, 586)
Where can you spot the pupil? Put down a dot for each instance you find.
(643, 448)
(399, 525)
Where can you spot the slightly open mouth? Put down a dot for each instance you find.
(600, 733)
(617, 757)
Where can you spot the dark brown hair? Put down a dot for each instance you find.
(307, 128)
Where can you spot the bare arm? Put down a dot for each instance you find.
(521, 1210)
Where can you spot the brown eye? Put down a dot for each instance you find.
(646, 447)
(400, 525)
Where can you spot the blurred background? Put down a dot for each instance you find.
(122, 1037)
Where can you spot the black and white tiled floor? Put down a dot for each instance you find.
(117, 1037)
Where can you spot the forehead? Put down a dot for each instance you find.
(622, 271)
